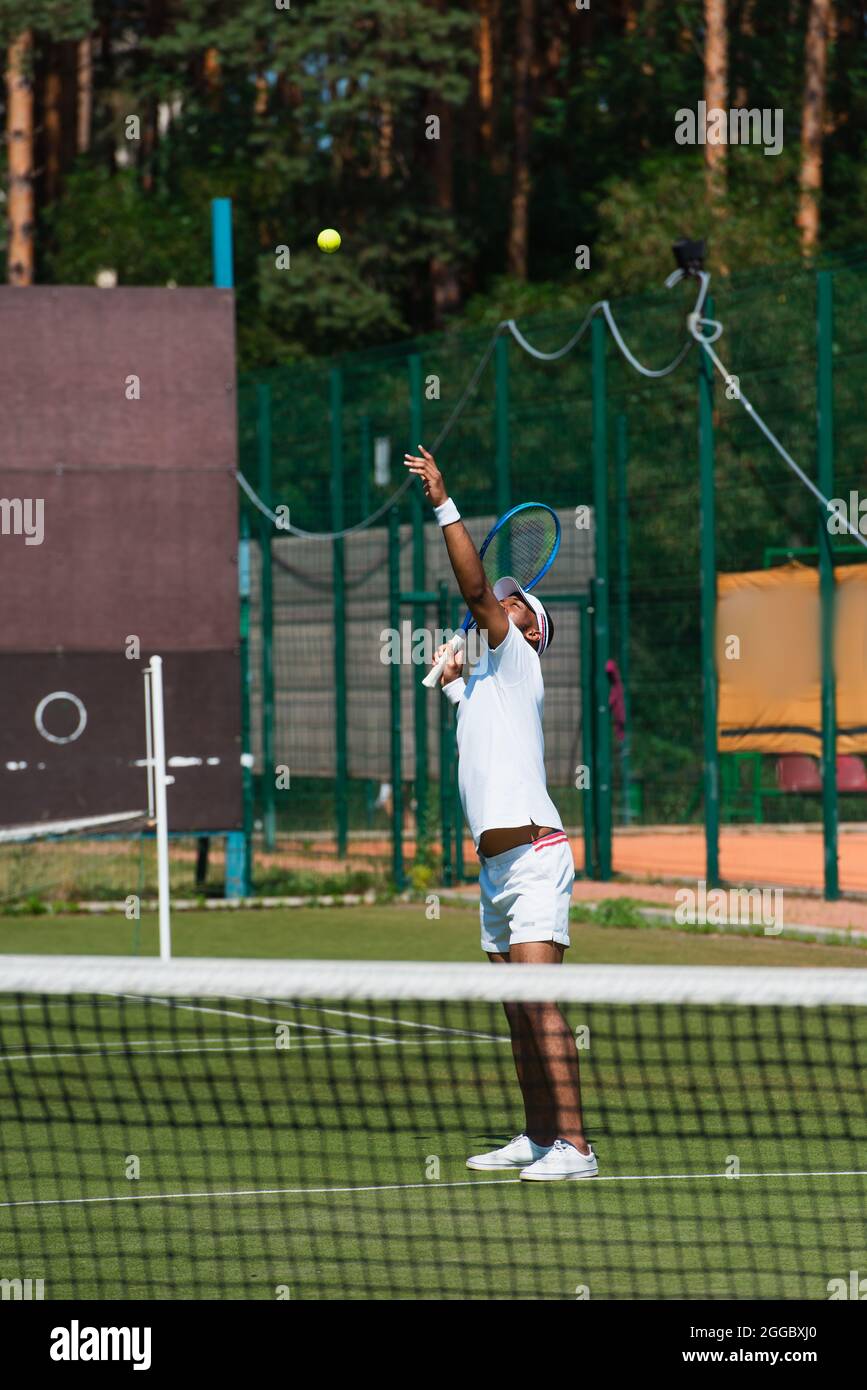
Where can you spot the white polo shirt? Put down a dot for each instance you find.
(501, 748)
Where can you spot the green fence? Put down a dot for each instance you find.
(677, 478)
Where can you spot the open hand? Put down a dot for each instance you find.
(425, 467)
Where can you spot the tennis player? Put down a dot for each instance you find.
(526, 862)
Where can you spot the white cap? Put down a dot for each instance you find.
(506, 586)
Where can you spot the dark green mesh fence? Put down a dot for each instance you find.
(337, 437)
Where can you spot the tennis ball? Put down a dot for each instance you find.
(328, 240)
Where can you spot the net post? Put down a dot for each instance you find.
(158, 768)
(707, 550)
(269, 816)
(420, 699)
(825, 432)
(338, 563)
(601, 622)
(149, 743)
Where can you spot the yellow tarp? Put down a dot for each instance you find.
(768, 660)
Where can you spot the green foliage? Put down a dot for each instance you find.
(31, 906)
(108, 221)
(62, 19)
(298, 883)
(422, 877)
(625, 913)
(319, 115)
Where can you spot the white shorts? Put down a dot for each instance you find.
(526, 894)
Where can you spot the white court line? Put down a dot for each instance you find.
(341, 1013)
(380, 1018)
(321, 1028)
(251, 1018)
(412, 1186)
(156, 1052)
(131, 1042)
(297, 1045)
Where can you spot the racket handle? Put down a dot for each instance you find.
(455, 644)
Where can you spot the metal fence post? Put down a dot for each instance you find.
(445, 754)
(707, 550)
(601, 625)
(825, 429)
(394, 684)
(585, 640)
(503, 444)
(239, 846)
(622, 458)
(456, 614)
(269, 814)
(341, 790)
(420, 701)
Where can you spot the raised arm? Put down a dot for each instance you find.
(463, 555)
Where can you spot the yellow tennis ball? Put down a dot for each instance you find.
(328, 240)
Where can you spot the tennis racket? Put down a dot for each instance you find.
(524, 544)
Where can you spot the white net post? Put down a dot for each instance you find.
(156, 752)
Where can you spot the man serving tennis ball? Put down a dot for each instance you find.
(526, 863)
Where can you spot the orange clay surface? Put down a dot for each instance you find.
(650, 862)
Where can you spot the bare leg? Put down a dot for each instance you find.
(546, 1059)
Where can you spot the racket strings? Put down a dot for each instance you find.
(522, 547)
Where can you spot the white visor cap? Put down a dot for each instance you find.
(506, 586)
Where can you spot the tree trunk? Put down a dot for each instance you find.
(488, 17)
(260, 105)
(715, 90)
(746, 30)
(19, 137)
(520, 209)
(444, 281)
(385, 148)
(69, 105)
(52, 125)
(150, 136)
(212, 77)
(107, 68)
(815, 69)
(85, 94)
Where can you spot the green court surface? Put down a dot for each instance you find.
(399, 931)
(334, 1167)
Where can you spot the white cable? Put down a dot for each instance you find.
(362, 525)
(695, 326)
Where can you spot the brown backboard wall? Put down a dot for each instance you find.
(118, 415)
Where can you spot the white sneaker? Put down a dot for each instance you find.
(562, 1161)
(516, 1154)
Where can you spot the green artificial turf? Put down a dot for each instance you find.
(399, 931)
(172, 1149)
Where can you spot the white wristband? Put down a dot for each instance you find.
(447, 512)
(455, 689)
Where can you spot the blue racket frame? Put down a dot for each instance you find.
(469, 620)
(433, 675)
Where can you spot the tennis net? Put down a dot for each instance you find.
(273, 1129)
